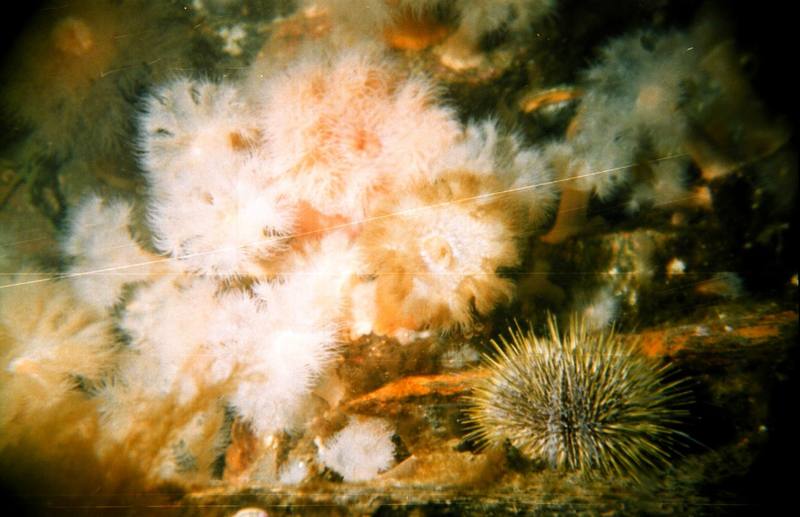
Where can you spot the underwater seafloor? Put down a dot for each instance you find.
(236, 276)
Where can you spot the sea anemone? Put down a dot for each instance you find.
(436, 254)
(360, 451)
(522, 173)
(635, 99)
(165, 323)
(598, 310)
(583, 401)
(213, 205)
(402, 24)
(477, 18)
(191, 127)
(437, 249)
(458, 25)
(278, 355)
(226, 226)
(52, 348)
(105, 255)
(349, 128)
(632, 117)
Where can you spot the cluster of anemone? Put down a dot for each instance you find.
(346, 157)
(651, 107)
(332, 195)
(336, 197)
(630, 114)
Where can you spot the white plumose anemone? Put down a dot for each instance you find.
(350, 127)
(213, 204)
(360, 451)
(105, 255)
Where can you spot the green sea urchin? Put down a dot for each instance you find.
(585, 401)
